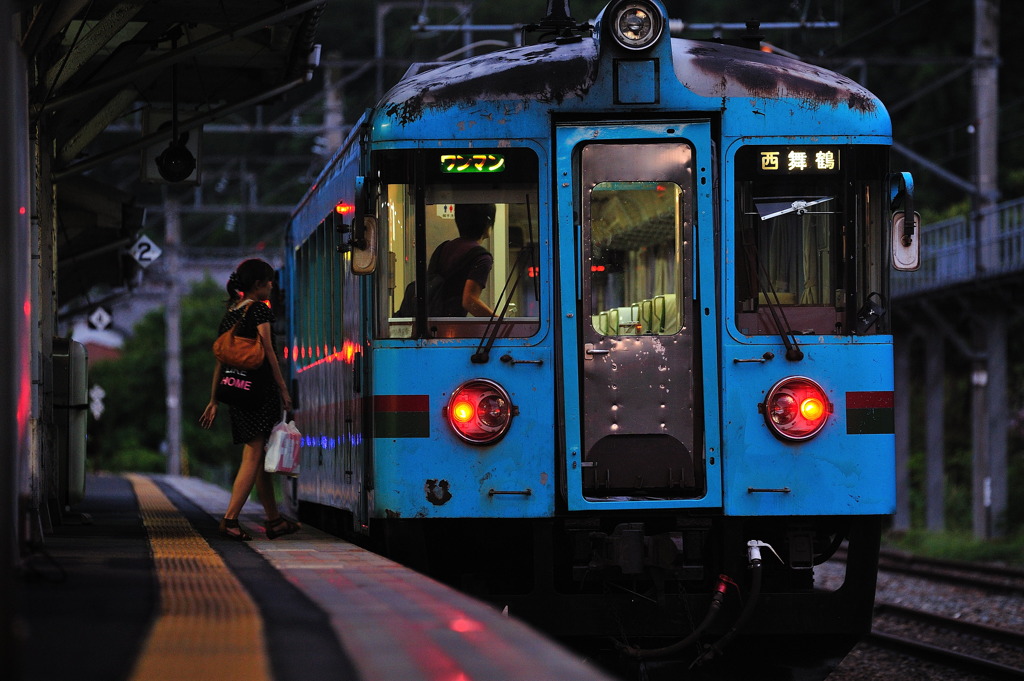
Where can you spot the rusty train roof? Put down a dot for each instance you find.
(561, 73)
(715, 70)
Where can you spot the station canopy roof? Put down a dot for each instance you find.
(94, 62)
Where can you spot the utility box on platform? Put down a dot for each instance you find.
(70, 407)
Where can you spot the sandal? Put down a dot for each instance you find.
(280, 526)
(230, 528)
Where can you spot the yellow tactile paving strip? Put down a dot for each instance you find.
(207, 625)
(396, 624)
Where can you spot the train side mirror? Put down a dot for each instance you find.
(364, 232)
(906, 232)
(364, 246)
(906, 242)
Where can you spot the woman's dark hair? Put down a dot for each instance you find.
(245, 277)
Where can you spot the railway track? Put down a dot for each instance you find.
(934, 620)
(1000, 578)
(964, 646)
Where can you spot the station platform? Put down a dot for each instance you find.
(143, 588)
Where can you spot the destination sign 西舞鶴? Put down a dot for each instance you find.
(809, 160)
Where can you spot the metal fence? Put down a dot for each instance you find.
(952, 252)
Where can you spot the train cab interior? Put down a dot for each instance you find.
(418, 215)
(809, 239)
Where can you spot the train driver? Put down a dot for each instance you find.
(464, 263)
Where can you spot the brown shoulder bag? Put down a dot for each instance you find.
(235, 351)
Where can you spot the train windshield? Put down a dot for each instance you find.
(461, 228)
(808, 237)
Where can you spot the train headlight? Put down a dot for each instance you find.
(480, 411)
(636, 24)
(796, 408)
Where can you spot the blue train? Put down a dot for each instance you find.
(681, 377)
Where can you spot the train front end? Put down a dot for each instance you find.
(686, 382)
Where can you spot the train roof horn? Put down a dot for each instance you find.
(558, 25)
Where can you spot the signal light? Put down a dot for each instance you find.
(344, 208)
(480, 411)
(463, 411)
(796, 409)
(812, 409)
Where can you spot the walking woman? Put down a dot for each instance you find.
(248, 287)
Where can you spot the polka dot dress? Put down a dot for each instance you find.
(249, 424)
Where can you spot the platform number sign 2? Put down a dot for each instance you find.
(145, 251)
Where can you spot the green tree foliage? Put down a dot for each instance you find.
(201, 312)
(133, 423)
(131, 433)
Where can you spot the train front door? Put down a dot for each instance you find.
(633, 335)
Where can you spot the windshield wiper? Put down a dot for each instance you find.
(483, 351)
(769, 208)
(490, 334)
(775, 309)
(793, 351)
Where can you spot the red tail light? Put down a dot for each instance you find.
(480, 411)
(796, 408)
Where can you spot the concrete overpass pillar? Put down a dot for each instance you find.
(997, 425)
(935, 453)
(989, 425)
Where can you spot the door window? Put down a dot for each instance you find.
(634, 267)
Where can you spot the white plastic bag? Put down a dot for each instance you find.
(283, 449)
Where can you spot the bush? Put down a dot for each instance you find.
(959, 546)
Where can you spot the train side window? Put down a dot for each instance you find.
(420, 192)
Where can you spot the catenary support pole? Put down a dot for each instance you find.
(172, 221)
